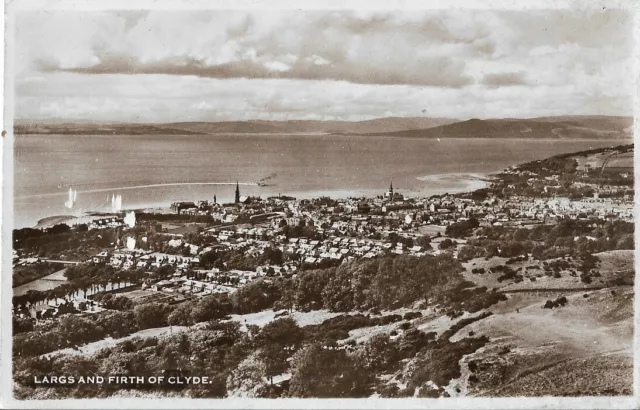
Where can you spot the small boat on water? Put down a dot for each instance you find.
(73, 196)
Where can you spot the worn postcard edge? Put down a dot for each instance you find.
(6, 207)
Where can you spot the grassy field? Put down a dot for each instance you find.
(592, 160)
(432, 230)
(148, 296)
(182, 228)
(584, 347)
(618, 264)
(612, 261)
(621, 161)
(26, 274)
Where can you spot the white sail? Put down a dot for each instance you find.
(72, 199)
(116, 203)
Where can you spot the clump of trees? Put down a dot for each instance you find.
(235, 259)
(127, 318)
(446, 244)
(62, 240)
(114, 302)
(550, 304)
(26, 274)
(382, 283)
(462, 229)
(338, 328)
(323, 373)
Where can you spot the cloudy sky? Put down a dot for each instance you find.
(161, 66)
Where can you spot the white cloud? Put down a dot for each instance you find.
(277, 66)
(202, 105)
(301, 64)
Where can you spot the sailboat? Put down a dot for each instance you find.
(116, 203)
(73, 195)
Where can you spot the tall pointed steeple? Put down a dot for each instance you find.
(237, 192)
(215, 200)
(391, 189)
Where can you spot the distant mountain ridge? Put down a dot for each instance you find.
(389, 124)
(574, 127)
(562, 127)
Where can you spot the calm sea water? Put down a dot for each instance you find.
(156, 170)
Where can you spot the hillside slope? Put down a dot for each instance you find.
(390, 124)
(523, 128)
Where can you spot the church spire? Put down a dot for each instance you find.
(237, 192)
(391, 189)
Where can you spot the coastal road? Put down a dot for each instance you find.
(42, 284)
(63, 262)
(266, 215)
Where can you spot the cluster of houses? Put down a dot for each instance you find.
(527, 210)
(185, 286)
(206, 282)
(103, 223)
(138, 258)
(344, 248)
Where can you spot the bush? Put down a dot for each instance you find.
(441, 364)
(255, 296)
(317, 372)
(412, 315)
(473, 366)
(338, 328)
(462, 228)
(151, 315)
(446, 244)
(469, 252)
(508, 274)
(561, 301)
(461, 324)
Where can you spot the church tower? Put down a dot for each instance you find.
(391, 190)
(215, 200)
(237, 192)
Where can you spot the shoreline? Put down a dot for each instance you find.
(128, 188)
(52, 220)
(435, 184)
(471, 181)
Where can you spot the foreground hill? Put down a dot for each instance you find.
(557, 128)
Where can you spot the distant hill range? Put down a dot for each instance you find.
(570, 127)
(565, 127)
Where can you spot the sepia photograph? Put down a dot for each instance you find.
(387, 204)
